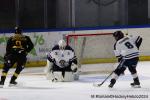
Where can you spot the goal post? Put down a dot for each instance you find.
(92, 49)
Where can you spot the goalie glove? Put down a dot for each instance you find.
(74, 67)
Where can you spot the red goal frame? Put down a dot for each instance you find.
(83, 34)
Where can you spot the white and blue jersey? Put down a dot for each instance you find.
(127, 47)
(62, 58)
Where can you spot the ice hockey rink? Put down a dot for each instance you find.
(32, 85)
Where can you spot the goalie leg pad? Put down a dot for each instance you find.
(48, 67)
(68, 76)
(49, 76)
(76, 75)
(57, 75)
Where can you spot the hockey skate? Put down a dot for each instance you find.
(135, 85)
(111, 85)
(112, 82)
(13, 83)
(1, 84)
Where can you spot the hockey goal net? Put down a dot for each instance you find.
(95, 49)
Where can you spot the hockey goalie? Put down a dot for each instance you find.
(61, 64)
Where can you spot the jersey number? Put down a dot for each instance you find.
(129, 45)
(18, 44)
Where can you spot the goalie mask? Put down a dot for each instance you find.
(62, 44)
(118, 35)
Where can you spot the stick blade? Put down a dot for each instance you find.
(97, 85)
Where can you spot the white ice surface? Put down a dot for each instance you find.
(32, 85)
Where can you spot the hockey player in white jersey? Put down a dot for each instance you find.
(62, 63)
(126, 49)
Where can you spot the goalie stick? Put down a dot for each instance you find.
(100, 84)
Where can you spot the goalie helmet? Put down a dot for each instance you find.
(18, 30)
(62, 44)
(118, 35)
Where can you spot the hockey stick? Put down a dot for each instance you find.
(98, 85)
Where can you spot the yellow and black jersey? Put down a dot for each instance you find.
(19, 44)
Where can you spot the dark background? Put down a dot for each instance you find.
(51, 14)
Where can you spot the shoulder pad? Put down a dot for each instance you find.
(68, 48)
(56, 47)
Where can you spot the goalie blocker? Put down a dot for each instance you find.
(61, 63)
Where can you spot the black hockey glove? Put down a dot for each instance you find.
(7, 56)
(74, 70)
(53, 60)
(119, 59)
(22, 52)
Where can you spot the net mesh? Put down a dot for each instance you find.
(93, 49)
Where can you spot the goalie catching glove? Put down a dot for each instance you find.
(74, 67)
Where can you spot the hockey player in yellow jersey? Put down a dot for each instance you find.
(17, 48)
